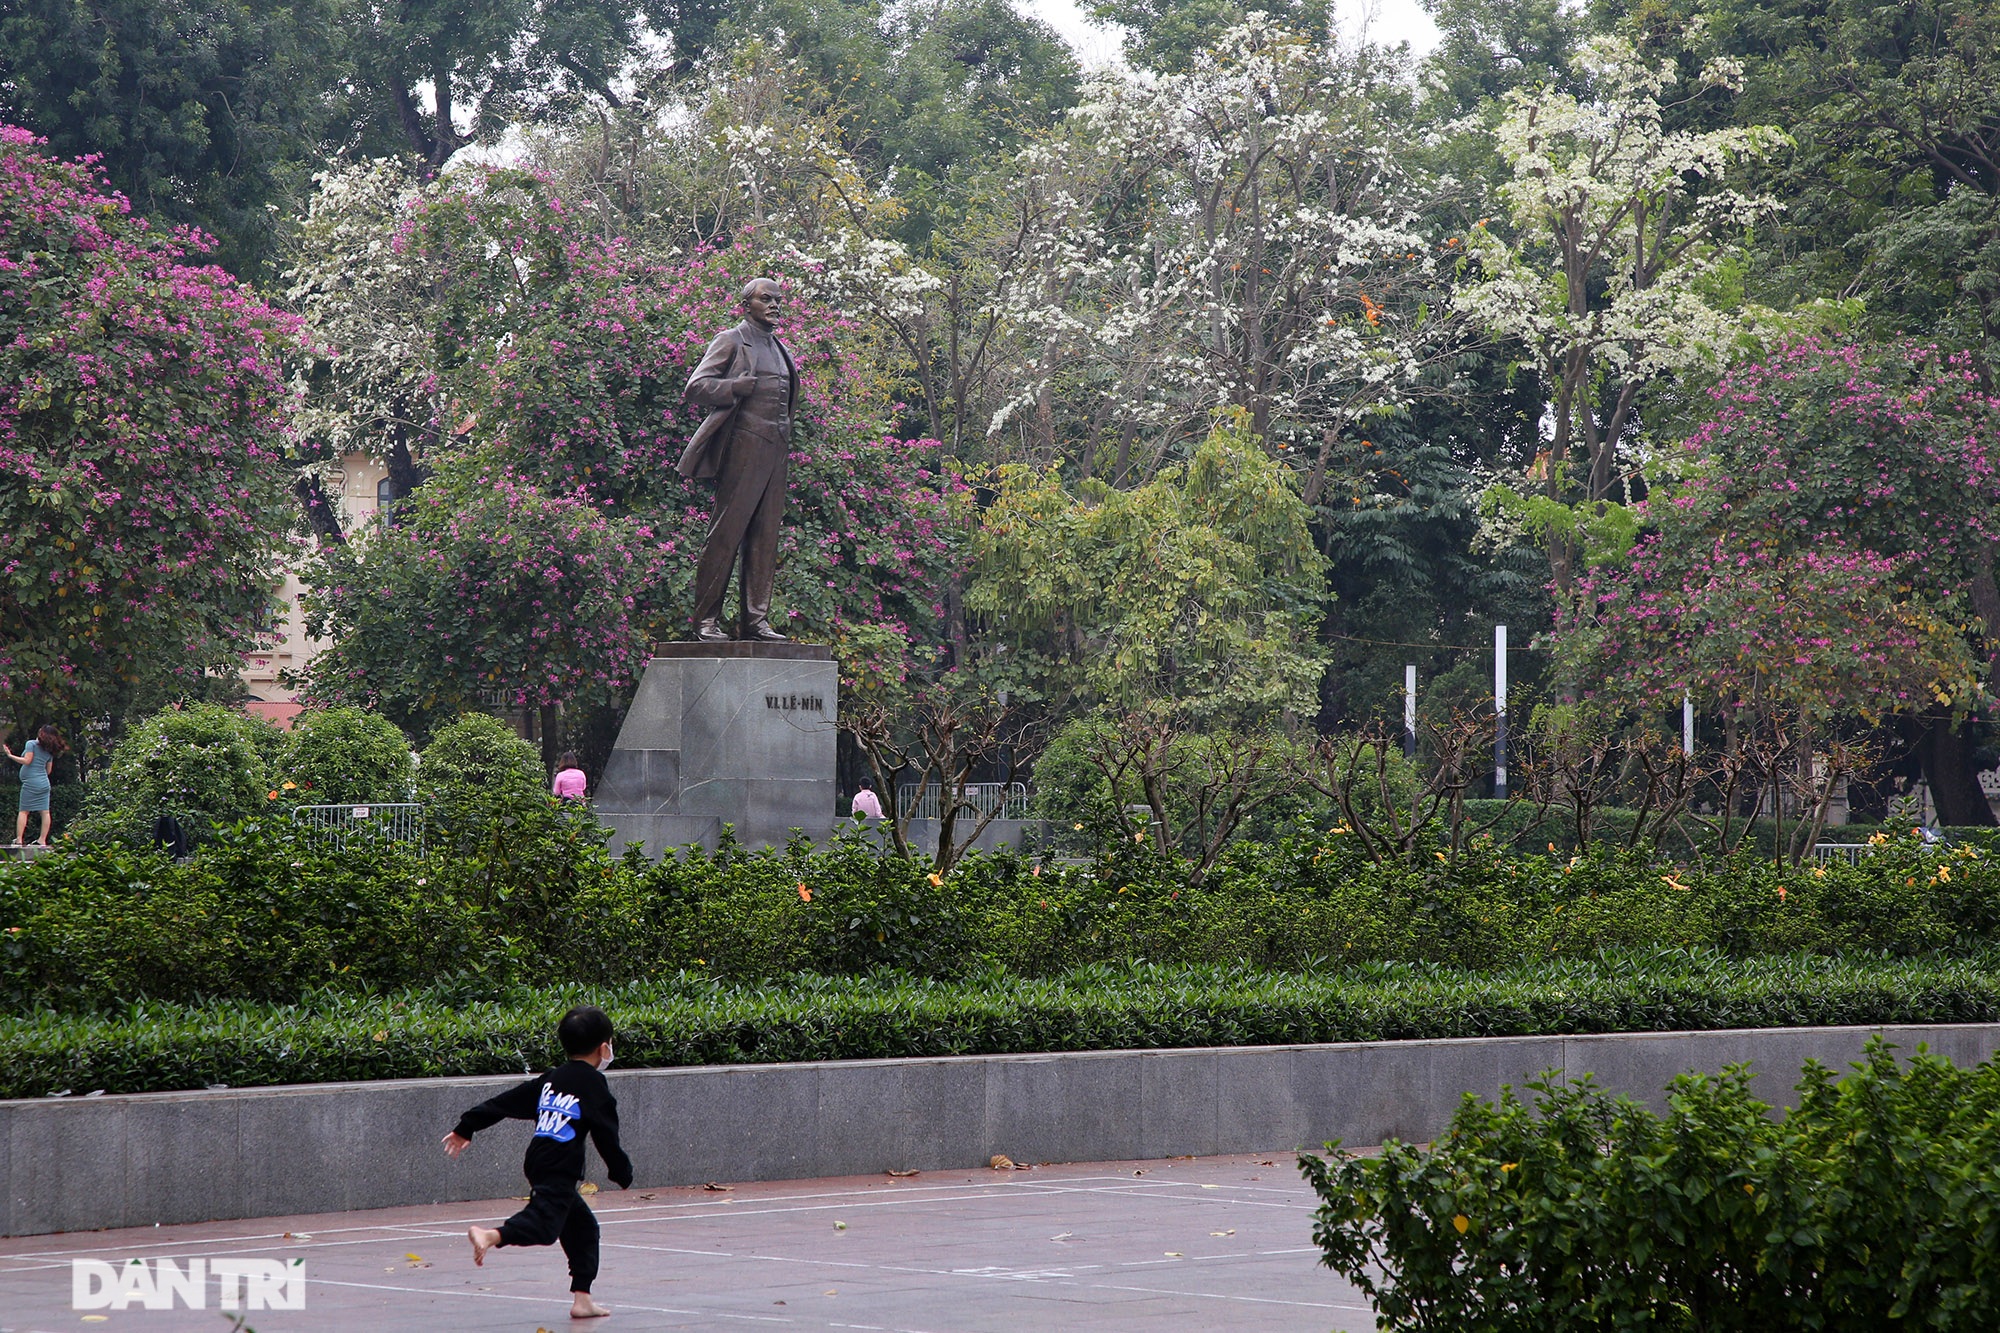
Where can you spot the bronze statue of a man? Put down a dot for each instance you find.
(750, 385)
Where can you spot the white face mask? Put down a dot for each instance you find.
(607, 1058)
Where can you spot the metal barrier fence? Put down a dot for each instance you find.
(1850, 852)
(1002, 800)
(340, 824)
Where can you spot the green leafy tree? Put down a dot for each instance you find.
(1170, 35)
(1199, 592)
(1893, 194)
(1488, 48)
(491, 63)
(204, 112)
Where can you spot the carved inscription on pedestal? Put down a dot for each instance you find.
(795, 703)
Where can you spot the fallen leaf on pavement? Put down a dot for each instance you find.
(1000, 1161)
(1230, 1232)
(840, 1226)
(719, 1189)
(902, 1175)
(1174, 1254)
(587, 1187)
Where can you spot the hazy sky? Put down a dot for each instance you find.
(1393, 21)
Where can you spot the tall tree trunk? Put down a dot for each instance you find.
(1946, 754)
(550, 728)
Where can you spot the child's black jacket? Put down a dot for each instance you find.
(569, 1101)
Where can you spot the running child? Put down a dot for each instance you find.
(568, 1102)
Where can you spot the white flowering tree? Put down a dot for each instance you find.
(366, 372)
(1612, 273)
(1248, 234)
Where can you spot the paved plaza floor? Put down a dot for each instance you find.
(1207, 1243)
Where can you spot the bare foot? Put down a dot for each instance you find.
(585, 1308)
(483, 1239)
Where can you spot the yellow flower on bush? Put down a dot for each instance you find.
(290, 786)
(805, 894)
(936, 879)
(270, 796)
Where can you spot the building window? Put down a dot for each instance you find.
(385, 502)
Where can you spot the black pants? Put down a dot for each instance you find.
(556, 1212)
(749, 518)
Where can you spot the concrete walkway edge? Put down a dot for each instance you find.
(82, 1163)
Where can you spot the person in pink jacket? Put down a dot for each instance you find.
(569, 784)
(866, 802)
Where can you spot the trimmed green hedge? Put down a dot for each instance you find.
(687, 1020)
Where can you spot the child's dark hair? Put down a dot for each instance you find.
(568, 760)
(583, 1029)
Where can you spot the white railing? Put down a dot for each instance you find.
(1002, 800)
(338, 824)
(1850, 852)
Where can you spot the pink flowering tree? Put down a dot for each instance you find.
(556, 357)
(1831, 535)
(144, 496)
(488, 589)
(1810, 635)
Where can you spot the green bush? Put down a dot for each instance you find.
(475, 770)
(532, 892)
(261, 910)
(1870, 1206)
(204, 764)
(344, 756)
(472, 1025)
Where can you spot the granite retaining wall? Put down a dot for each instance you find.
(79, 1163)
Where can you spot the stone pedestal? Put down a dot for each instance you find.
(735, 733)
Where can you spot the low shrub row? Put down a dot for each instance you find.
(1870, 1206)
(688, 1019)
(265, 911)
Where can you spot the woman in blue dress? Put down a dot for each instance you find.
(37, 757)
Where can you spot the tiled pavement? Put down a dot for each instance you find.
(1211, 1243)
